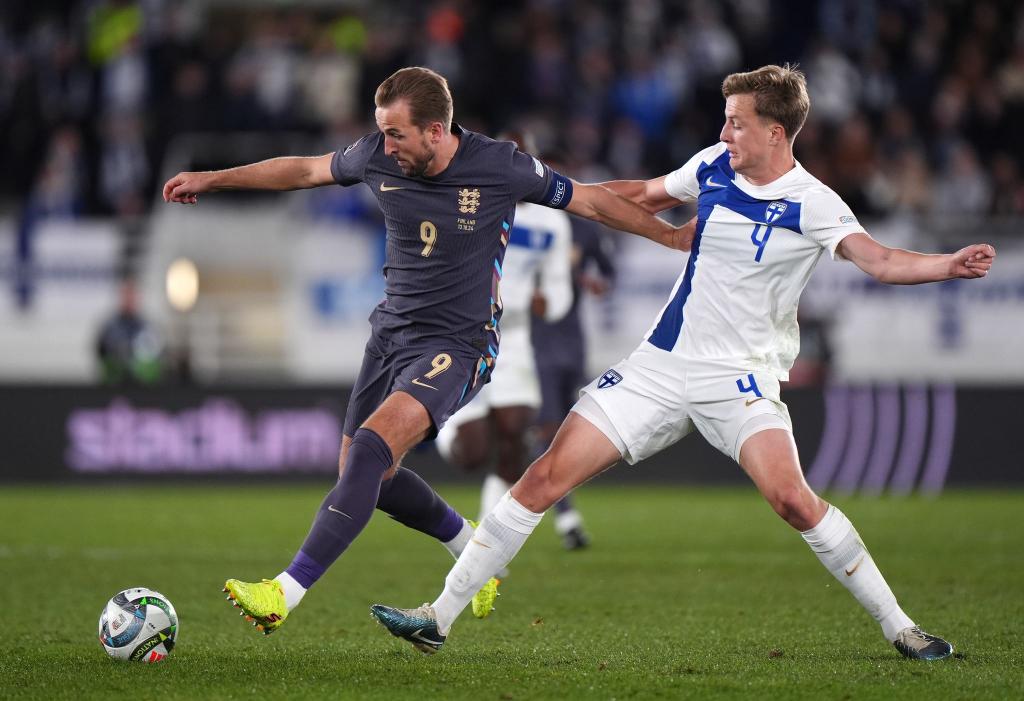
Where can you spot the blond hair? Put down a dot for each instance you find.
(425, 91)
(780, 94)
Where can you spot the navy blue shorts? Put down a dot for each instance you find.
(441, 374)
(559, 390)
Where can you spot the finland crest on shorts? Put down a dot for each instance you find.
(609, 379)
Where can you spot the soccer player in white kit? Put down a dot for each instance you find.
(713, 359)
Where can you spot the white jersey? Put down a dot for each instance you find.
(538, 257)
(735, 303)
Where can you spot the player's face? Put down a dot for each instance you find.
(745, 134)
(410, 146)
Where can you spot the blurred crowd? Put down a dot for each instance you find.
(916, 105)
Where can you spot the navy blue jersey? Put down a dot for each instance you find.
(446, 234)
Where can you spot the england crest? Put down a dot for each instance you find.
(609, 379)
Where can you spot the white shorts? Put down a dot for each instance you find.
(653, 398)
(513, 383)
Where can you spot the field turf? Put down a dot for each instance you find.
(685, 593)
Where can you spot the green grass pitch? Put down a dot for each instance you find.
(685, 593)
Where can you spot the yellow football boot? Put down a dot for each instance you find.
(483, 600)
(262, 603)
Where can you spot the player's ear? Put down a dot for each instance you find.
(436, 130)
(777, 134)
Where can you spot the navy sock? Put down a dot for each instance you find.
(346, 510)
(564, 504)
(413, 503)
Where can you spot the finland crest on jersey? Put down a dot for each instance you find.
(774, 211)
(609, 379)
(755, 248)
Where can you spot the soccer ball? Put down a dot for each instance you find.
(138, 624)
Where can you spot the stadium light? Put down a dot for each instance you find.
(182, 284)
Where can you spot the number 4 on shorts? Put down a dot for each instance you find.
(752, 387)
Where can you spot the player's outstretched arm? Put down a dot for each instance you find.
(287, 173)
(897, 266)
(602, 205)
(649, 194)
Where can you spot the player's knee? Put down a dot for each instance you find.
(538, 489)
(469, 454)
(797, 506)
(511, 457)
(512, 422)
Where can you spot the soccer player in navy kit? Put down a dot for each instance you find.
(448, 196)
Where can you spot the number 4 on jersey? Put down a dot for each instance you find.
(760, 242)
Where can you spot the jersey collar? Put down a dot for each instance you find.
(776, 188)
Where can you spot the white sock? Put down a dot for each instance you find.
(493, 490)
(567, 520)
(837, 544)
(496, 541)
(457, 544)
(293, 591)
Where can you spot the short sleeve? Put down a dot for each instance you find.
(827, 220)
(682, 183)
(349, 164)
(533, 181)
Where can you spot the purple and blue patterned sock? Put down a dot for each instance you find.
(346, 510)
(413, 503)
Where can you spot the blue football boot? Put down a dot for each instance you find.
(918, 645)
(418, 626)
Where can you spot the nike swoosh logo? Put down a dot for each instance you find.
(849, 573)
(423, 384)
(751, 401)
(711, 183)
(330, 507)
(389, 188)
(482, 545)
(428, 641)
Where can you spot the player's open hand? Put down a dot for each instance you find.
(184, 188)
(973, 261)
(683, 237)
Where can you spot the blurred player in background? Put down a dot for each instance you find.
(536, 281)
(715, 356)
(448, 196)
(560, 351)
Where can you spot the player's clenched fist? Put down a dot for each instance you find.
(185, 187)
(682, 238)
(973, 261)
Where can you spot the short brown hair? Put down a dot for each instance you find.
(426, 92)
(780, 94)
